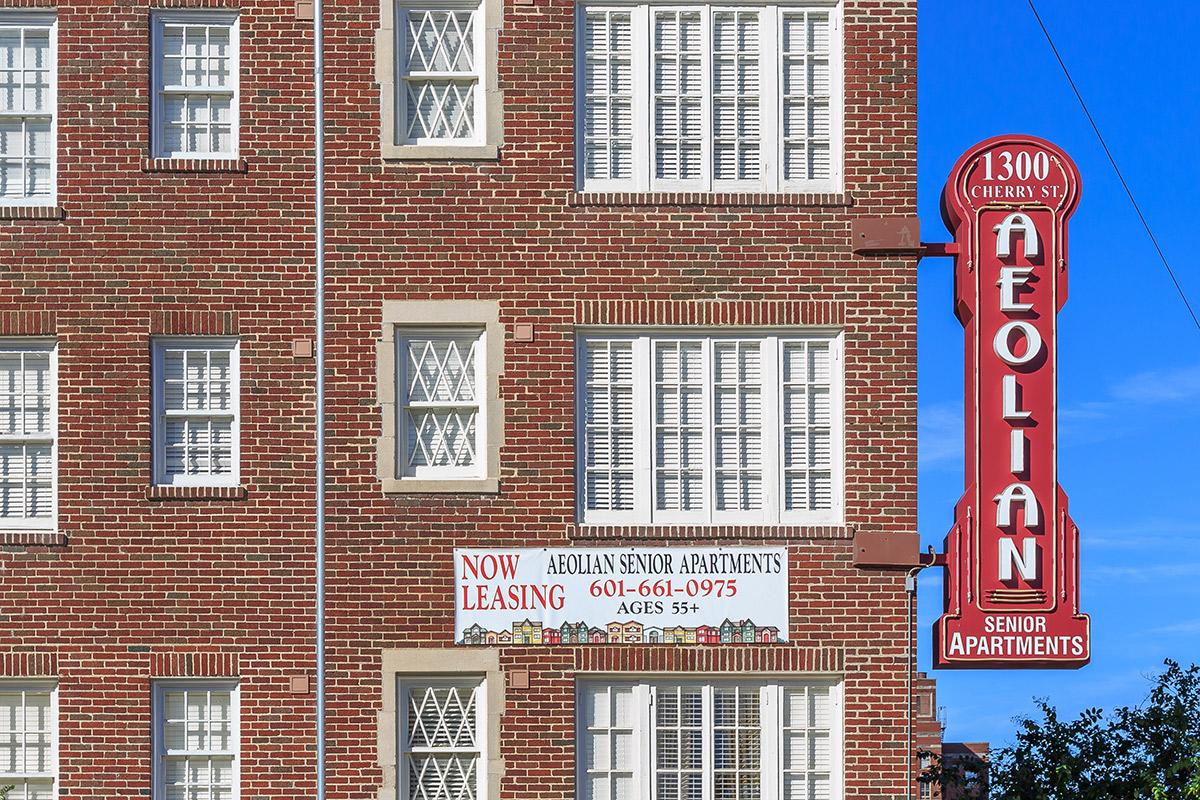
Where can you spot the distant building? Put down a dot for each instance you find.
(968, 759)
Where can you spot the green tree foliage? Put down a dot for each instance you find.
(1148, 752)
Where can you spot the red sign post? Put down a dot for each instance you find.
(1012, 562)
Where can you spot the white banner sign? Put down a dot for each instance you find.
(625, 595)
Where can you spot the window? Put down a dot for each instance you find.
(709, 98)
(442, 729)
(28, 101)
(728, 740)
(195, 740)
(440, 375)
(29, 740)
(195, 103)
(196, 415)
(438, 386)
(28, 434)
(437, 63)
(695, 428)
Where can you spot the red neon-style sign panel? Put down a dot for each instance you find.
(1012, 561)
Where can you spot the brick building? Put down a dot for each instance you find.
(590, 283)
(965, 763)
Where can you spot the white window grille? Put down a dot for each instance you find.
(721, 740)
(28, 434)
(195, 71)
(441, 377)
(440, 91)
(697, 428)
(196, 412)
(196, 740)
(709, 98)
(442, 729)
(28, 104)
(29, 740)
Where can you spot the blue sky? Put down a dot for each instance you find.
(1129, 355)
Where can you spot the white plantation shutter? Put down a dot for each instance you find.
(724, 740)
(607, 86)
(440, 71)
(678, 83)
(736, 85)
(28, 432)
(709, 98)
(608, 751)
(738, 425)
(196, 741)
(440, 378)
(679, 434)
(28, 761)
(442, 739)
(608, 425)
(195, 84)
(710, 429)
(196, 419)
(809, 757)
(807, 95)
(808, 425)
(28, 84)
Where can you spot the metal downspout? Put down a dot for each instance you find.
(319, 224)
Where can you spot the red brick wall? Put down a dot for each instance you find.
(134, 579)
(514, 230)
(227, 580)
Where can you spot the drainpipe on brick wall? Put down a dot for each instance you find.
(910, 586)
(319, 268)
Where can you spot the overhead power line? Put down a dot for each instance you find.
(1153, 239)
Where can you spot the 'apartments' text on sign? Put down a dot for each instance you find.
(1012, 564)
(632, 595)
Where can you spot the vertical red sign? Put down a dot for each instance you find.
(1012, 562)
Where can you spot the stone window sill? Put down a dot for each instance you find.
(44, 538)
(785, 199)
(196, 493)
(33, 212)
(450, 486)
(585, 532)
(422, 152)
(195, 165)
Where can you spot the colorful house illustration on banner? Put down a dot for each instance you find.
(707, 634)
(475, 634)
(597, 636)
(551, 636)
(653, 636)
(576, 633)
(527, 632)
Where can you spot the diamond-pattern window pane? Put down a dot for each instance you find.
(441, 739)
(439, 74)
(441, 109)
(441, 399)
(441, 41)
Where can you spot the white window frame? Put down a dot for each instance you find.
(37, 19)
(771, 692)
(479, 124)
(771, 110)
(773, 511)
(479, 469)
(158, 345)
(482, 724)
(24, 345)
(23, 685)
(229, 19)
(158, 711)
